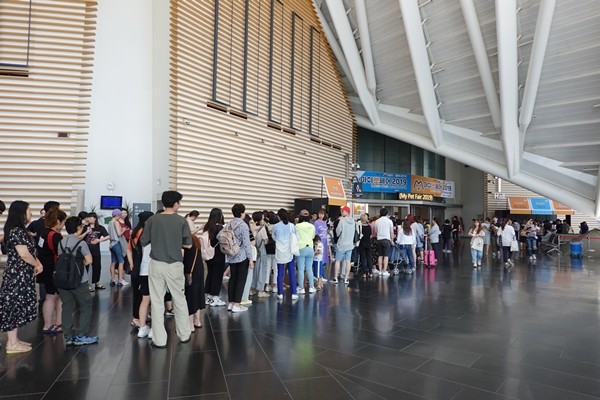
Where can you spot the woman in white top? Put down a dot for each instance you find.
(282, 234)
(477, 234)
(434, 237)
(408, 241)
(487, 239)
(507, 235)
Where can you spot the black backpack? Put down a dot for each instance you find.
(270, 245)
(69, 267)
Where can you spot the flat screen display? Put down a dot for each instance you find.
(111, 202)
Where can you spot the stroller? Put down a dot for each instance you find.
(398, 259)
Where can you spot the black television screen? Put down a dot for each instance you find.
(111, 202)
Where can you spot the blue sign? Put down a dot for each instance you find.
(384, 182)
(540, 206)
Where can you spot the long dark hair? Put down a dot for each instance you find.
(142, 218)
(215, 218)
(283, 216)
(16, 218)
(406, 228)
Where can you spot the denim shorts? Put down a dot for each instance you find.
(116, 254)
(343, 255)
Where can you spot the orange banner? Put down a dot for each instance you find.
(519, 205)
(335, 191)
(432, 186)
(561, 208)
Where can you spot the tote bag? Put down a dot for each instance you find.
(514, 245)
(477, 243)
(294, 244)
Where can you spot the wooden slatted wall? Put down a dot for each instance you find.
(47, 97)
(270, 146)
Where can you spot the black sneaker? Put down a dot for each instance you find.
(169, 313)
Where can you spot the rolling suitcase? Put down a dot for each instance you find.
(428, 256)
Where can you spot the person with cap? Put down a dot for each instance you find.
(345, 244)
(118, 248)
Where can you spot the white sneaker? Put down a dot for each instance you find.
(324, 279)
(239, 308)
(279, 297)
(346, 282)
(268, 288)
(534, 257)
(386, 273)
(209, 301)
(229, 306)
(123, 282)
(479, 263)
(376, 271)
(312, 289)
(217, 302)
(294, 297)
(474, 265)
(225, 278)
(246, 302)
(150, 334)
(144, 331)
(301, 291)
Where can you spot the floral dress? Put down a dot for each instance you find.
(18, 305)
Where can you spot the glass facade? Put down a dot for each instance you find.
(377, 152)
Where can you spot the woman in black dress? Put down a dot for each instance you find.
(96, 235)
(194, 283)
(18, 305)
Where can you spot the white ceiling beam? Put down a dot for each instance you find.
(480, 161)
(365, 43)
(506, 31)
(421, 66)
(337, 51)
(346, 37)
(583, 143)
(483, 63)
(536, 62)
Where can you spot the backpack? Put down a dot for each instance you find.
(357, 234)
(68, 270)
(227, 241)
(270, 244)
(208, 251)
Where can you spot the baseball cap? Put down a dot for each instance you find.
(345, 208)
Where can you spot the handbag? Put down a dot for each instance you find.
(514, 245)
(477, 243)
(294, 244)
(188, 276)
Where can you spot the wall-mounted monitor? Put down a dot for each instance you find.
(111, 202)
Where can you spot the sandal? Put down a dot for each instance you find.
(17, 349)
(50, 331)
(100, 287)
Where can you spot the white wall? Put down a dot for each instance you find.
(121, 121)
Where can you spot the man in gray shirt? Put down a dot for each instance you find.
(169, 233)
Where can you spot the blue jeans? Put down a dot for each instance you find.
(476, 255)
(304, 262)
(531, 245)
(291, 270)
(409, 253)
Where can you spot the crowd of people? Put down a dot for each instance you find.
(260, 254)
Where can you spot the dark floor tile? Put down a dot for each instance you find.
(563, 365)
(157, 390)
(96, 361)
(531, 391)
(383, 391)
(142, 363)
(32, 396)
(81, 389)
(463, 375)
(299, 369)
(541, 376)
(442, 353)
(581, 356)
(259, 385)
(411, 382)
(476, 394)
(423, 325)
(324, 388)
(385, 355)
(240, 352)
(196, 373)
(215, 396)
(284, 349)
(337, 361)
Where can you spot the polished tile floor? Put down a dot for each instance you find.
(449, 333)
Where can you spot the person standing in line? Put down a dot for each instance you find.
(216, 265)
(168, 233)
(117, 250)
(17, 292)
(408, 240)
(477, 234)
(191, 218)
(385, 232)
(434, 237)
(507, 234)
(139, 276)
(304, 261)
(238, 263)
(364, 247)
(487, 229)
(446, 236)
(96, 235)
(321, 230)
(270, 250)
(78, 299)
(455, 230)
(193, 267)
(282, 233)
(318, 261)
(345, 230)
(262, 266)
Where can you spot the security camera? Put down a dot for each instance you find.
(356, 165)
